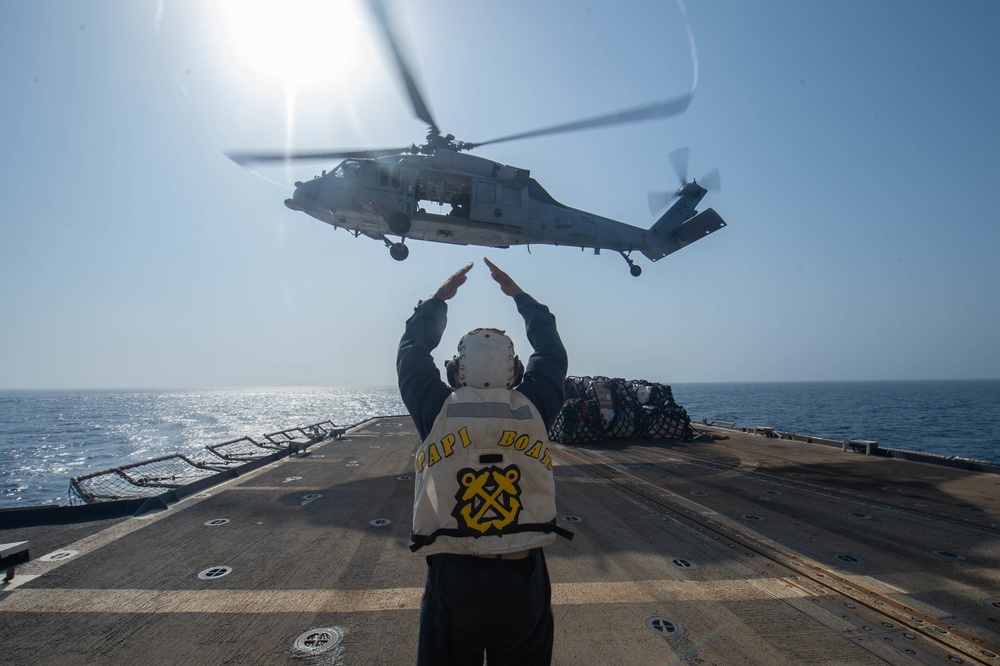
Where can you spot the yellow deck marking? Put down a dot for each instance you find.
(348, 601)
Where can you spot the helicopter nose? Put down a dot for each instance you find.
(305, 195)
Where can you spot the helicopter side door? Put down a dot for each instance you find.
(498, 203)
(397, 189)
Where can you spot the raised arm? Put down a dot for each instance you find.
(545, 371)
(420, 384)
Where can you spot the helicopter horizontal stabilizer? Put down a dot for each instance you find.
(697, 227)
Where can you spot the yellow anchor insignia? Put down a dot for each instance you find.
(491, 493)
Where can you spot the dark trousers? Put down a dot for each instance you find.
(474, 606)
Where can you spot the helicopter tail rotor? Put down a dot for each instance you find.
(680, 158)
(712, 181)
(660, 201)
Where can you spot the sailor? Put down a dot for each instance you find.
(484, 500)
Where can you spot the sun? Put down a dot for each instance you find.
(297, 43)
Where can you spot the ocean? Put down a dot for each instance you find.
(49, 436)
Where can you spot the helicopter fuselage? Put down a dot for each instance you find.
(491, 204)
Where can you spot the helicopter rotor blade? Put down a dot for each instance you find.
(419, 106)
(659, 201)
(711, 181)
(680, 158)
(649, 112)
(249, 158)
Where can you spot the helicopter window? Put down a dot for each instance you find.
(511, 196)
(395, 177)
(486, 192)
(349, 168)
(383, 175)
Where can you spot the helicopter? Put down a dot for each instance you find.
(385, 193)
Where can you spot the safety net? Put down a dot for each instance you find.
(156, 476)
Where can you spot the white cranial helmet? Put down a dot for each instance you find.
(486, 360)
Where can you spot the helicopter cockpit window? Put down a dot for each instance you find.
(395, 177)
(348, 168)
(511, 196)
(383, 175)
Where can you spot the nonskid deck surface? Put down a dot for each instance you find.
(742, 551)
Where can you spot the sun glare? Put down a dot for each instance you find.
(297, 43)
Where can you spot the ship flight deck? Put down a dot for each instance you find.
(746, 550)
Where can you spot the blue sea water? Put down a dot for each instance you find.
(50, 436)
(950, 418)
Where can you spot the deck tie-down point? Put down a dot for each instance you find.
(664, 626)
(317, 641)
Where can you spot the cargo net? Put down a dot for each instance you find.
(597, 408)
(142, 479)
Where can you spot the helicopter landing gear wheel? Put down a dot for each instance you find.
(398, 251)
(636, 271)
(399, 223)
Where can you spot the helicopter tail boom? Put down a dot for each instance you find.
(695, 228)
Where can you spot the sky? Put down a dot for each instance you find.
(857, 144)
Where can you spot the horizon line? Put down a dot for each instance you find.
(370, 386)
